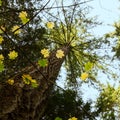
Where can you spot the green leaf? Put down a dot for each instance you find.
(58, 118)
(1, 66)
(0, 2)
(88, 66)
(24, 20)
(43, 62)
(34, 85)
(27, 81)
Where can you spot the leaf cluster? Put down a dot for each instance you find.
(108, 102)
(28, 43)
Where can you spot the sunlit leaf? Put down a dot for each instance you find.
(50, 25)
(22, 14)
(84, 76)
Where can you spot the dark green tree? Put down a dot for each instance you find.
(66, 104)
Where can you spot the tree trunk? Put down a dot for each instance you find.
(22, 102)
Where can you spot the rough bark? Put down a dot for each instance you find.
(22, 102)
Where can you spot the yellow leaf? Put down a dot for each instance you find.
(1, 39)
(45, 52)
(12, 55)
(33, 81)
(23, 17)
(60, 54)
(10, 81)
(22, 14)
(73, 118)
(1, 57)
(27, 78)
(50, 25)
(84, 76)
(2, 29)
(15, 28)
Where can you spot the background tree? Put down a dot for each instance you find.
(108, 103)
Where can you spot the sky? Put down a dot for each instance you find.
(107, 12)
